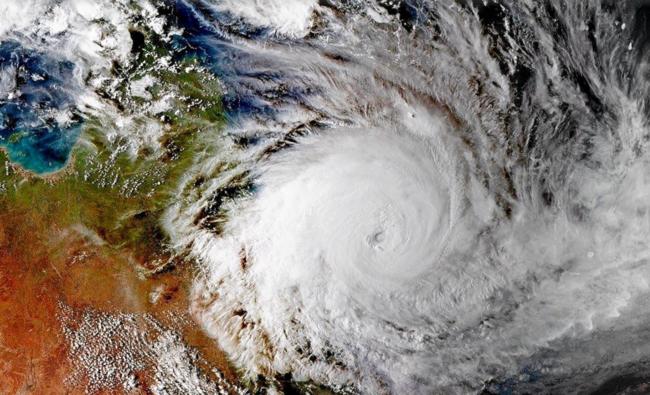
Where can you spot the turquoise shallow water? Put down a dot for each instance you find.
(42, 151)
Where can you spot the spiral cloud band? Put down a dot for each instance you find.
(350, 250)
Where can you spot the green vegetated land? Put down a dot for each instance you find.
(108, 189)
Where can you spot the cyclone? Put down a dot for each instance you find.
(351, 231)
(353, 253)
(377, 240)
(423, 197)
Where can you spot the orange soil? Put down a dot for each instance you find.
(41, 266)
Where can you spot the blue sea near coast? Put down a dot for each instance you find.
(38, 121)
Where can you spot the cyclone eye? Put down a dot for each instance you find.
(376, 238)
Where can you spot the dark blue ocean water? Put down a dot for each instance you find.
(255, 85)
(34, 139)
(29, 130)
